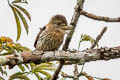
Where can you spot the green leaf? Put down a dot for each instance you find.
(46, 65)
(23, 20)
(16, 1)
(21, 67)
(44, 68)
(23, 77)
(86, 38)
(24, 11)
(17, 22)
(46, 78)
(1, 78)
(51, 63)
(18, 75)
(20, 1)
(4, 72)
(1, 70)
(46, 74)
(38, 76)
(32, 66)
(27, 66)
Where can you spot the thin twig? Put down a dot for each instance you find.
(95, 43)
(76, 72)
(81, 70)
(99, 18)
(99, 37)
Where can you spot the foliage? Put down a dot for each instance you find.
(18, 13)
(20, 1)
(88, 77)
(7, 46)
(43, 69)
(37, 70)
(85, 37)
(18, 75)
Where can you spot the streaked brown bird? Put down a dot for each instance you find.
(51, 35)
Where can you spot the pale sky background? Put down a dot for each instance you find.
(42, 10)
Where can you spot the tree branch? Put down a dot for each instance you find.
(99, 37)
(78, 56)
(94, 44)
(73, 23)
(99, 18)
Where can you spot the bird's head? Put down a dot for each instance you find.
(59, 21)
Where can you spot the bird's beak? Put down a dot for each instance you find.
(67, 28)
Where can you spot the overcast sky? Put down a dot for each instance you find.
(42, 10)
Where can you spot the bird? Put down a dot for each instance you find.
(51, 36)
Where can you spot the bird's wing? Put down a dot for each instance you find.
(41, 30)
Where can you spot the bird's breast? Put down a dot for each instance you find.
(50, 40)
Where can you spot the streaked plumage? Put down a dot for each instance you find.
(51, 36)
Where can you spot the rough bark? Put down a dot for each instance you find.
(78, 56)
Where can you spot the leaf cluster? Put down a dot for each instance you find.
(19, 13)
(86, 38)
(7, 46)
(41, 71)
